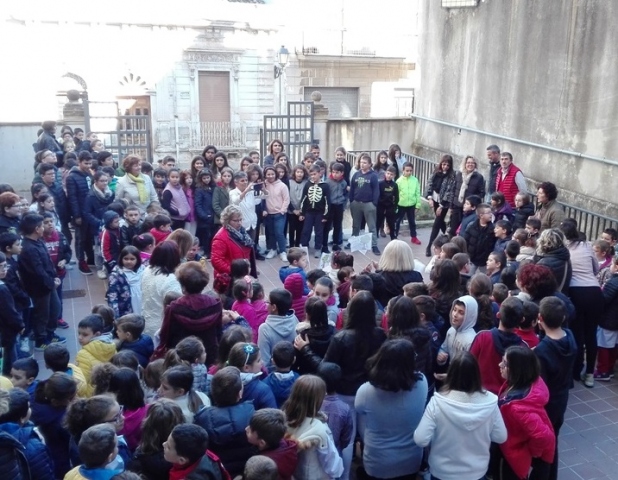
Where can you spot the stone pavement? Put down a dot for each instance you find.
(588, 440)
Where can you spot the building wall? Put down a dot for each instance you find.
(544, 72)
(17, 155)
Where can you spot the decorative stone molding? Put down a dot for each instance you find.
(210, 57)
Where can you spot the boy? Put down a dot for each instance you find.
(344, 276)
(23, 374)
(282, 379)
(526, 329)
(60, 253)
(56, 358)
(480, 238)
(11, 320)
(322, 165)
(279, 325)
(266, 431)
(409, 201)
(364, 194)
(132, 227)
(314, 211)
(430, 319)
(460, 335)
(260, 467)
(78, 185)
(131, 336)
(110, 241)
(489, 345)
(387, 202)
(512, 250)
(186, 448)
(337, 411)
(297, 258)
(159, 181)
(15, 422)
(39, 278)
(315, 151)
(98, 447)
(610, 235)
(313, 276)
(168, 162)
(500, 293)
(162, 227)
(308, 160)
(469, 212)
(503, 233)
(338, 200)
(96, 347)
(146, 169)
(556, 354)
(533, 226)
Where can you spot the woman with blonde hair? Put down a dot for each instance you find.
(551, 251)
(136, 187)
(468, 181)
(184, 240)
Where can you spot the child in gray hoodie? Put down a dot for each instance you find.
(280, 324)
(459, 337)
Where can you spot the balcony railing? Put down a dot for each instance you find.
(224, 135)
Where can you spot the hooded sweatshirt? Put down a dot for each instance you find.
(100, 349)
(285, 456)
(296, 285)
(460, 428)
(460, 339)
(275, 329)
(278, 198)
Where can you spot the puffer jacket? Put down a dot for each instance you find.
(13, 461)
(480, 240)
(281, 385)
(37, 454)
(48, 141)
(142, 348)
(256, 391)
(99, 350)
(9, 224)
(152, 465)
(226, 433)
(286, 271)
(50, 421)
(203, 206)
(551, 214)
(521, 214)
(559, 262)
(78, 187)
(476, 186)
(56, 191)
(295, 284)
(609, 320)
(94, 209)
(225, 249)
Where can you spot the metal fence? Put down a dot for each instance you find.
(224, 135)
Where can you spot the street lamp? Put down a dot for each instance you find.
(282, 60)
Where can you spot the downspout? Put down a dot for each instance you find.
(176, 137)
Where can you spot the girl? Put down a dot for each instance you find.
(163, 415)
(527, 246)
(36, 190)
(396, 158)
(239, 269)
(177, 385)
(186, 180)
(124, 294)
(190, 351)
(495, 264)
(219, 163)
(205, 187)
(314, 336)
(257, 178)
(480, 287)
(221, 194)
(296, 185)
(233, 335)
(284, 159)
(244, 163)
(603, 252)
(243, 291)
(246, 357)
(380, 166)
(197, 164)
(607, 333)
(316, 460)
(445, 287)
(325, 290)
(174, 200)
(338, 260)
(282, 174)
(277, 203)
(152, 379)
(460, 452)
(500, 207)
(126, 386)
(530, 438)
(145, 243)
(441, 193)
(436, 249)
(46, 204)
(341, 156)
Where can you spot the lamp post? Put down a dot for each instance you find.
(279, 68)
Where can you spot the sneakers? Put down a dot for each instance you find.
(382, 233)
(284, 257)
(62, 324)
(375, 250)
(84, 268)
(259, 256)
(41, 346)
(56, 339)
(415, 241)
(587, 380)
(102, 274)
(271, 254)
(24, 345)
(602, 377)
(336, 247)
(347, 246)
(317, 254)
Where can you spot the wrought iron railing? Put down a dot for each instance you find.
(222, 134)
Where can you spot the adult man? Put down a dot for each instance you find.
(493, 155)
(47, 176)
(79, 182)
(509, 179)
(47, 139)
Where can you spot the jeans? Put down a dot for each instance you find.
(348, 452)
(366, 211)
(589, 305)
(275, 236)
(313, 221)
(83, 243)
(410, 213)
(335, 222)
(9, 352)
(295, 229)
(45, 315)
(206, 233)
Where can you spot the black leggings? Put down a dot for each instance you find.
(439, 225)
(588, 302)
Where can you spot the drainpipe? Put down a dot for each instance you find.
(177, 136)
(604, 160)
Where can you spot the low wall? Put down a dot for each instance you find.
(17, 155)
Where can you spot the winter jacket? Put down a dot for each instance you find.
(551, 214)
(152, 465)
(318, 458)
(530, 433)
(521, 215)
(36, 268)
(50, 422)
(494, 168)
(364, 187)
(609, 320)
(505, 212)
(296, 284)
(488, 347)
(15, 286)
(78, 185)
(127, 232)
(13, 461)
(460, 339)
(142, 348)
(99, 350)
(220, 200)
(132, 429)
(11, 321)
(285, 457)
(77, 374)
(392, 284)
(480, 241)
(466, 220)
(226, 433)
(256, 391)
(110, 241)
(94, 209)
(278, 198)
(60, 198)
(340, 420)
(338, 191)
(206, 468)
(154, 288)
(409, 190)
(174, 200)
(203, 206)
(38, 456)
(118, 293)
(435, 184)
(286, 271)
(81, 472)
(315, 199)
(507, 184)
(59, 250)
(460, 428)
(309, 358)
(48, 141)
(126, 188)
(281, 385)
(225, 249)
(559, 261)
(275, 329)
(389, 195)
(245, 309)
(9, 224)
(476, 186)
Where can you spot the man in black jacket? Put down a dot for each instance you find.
(480, 238)
(79, 183)
(47, 140)
(493, 155)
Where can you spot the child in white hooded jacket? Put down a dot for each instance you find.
(459, 337)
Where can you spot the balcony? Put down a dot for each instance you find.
(225, 135)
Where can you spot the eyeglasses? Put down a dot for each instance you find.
(117, 417)
(249, 350)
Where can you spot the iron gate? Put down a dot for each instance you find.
(294, 130)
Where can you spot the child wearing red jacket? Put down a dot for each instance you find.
(110, 240)
(60, 253)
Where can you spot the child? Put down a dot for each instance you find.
(308, 160)
(318, 456)
(152, 380)
(499, 293)
(479, 237)
(338, 188)
(295, 285)
(489, 345)
(279, 325)
(533, 226)
(527, 246)
(186, 448)
(380, 166)
(11, 321)
(436, 247)
(338, 260)
(246, 357)
(610, 235)
(243, 291)
(344, 278)
(409, 200)
(110, 240)
(174, 199)
(607, 332)
(98, 447)
(338, 412)
(124, 293)
(603, 253)
(388, 202)
(325, 290)
(186, 182)
(177, 385)
(314, 211)
(132, 226)
(523, 209)
(260, 467)
(496, 261)
(512, 251)
(60, 252)
(162, 228)
(23, 374)
(159, 181)
(108, 317)
(190, 351)
(297, 258)
(258, 303)
(469, 213)
(266, 431)
(282, 169)
(56, 358)
(46, 206)
(430, 319)
(145, 243)
(501, 209)
(527, 327)
(239, 269)
(313, 276)
(204, 191)
(503, 233)
(97, 347)
(131, 336)
(281, 380)
(448, 251)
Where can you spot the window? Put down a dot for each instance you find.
(459, 3)
(214, 92)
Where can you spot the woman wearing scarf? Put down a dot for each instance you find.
(97, 201)
(468, 182)
(136, 187)
(230, 243)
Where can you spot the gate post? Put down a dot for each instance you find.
(320, 119)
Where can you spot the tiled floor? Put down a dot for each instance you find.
(588, 440)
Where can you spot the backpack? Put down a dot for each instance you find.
(224, 473)
(13, 462)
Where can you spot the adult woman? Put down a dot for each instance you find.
(350, 348)
(393, 386)
(231, 242)
(184, 240)
(136, 187)
(468, 182)
(194, 313)
(522, 399)
(552, 252)
(460, 422)
(274, 147)
(440, 193)
(97, 201)
(221, 194)
(586, 294)
(158, 280)
(549, 211)
(277, 202)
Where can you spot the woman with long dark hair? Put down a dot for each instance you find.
(441, 193)
(469, 182)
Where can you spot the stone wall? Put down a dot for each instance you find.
(17, 155)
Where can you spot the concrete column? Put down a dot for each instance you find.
(320, 117)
